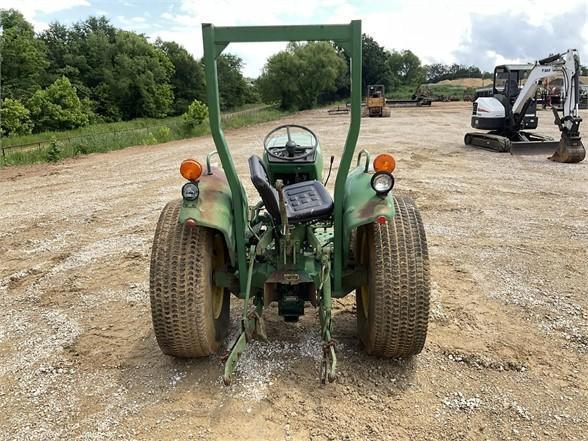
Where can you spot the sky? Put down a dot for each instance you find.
(479, 32)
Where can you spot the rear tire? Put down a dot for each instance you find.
(190, 314)
(393, 307)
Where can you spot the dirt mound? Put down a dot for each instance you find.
(479, 82)
(466, 82)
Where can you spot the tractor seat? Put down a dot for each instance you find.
(305, 201)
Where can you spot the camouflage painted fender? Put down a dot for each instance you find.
(361, 205)
(213, 208)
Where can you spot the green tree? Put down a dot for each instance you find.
(139, 82)
(435, 72)
(375, 65)
(84, 53)
(439, 72)
(196, 113)
(406, 68)
(234, 90)
(54, 152)
(23, 56)
(58, 107)
(56, 39)
(187, 80)
(302, 76)
(15, 118)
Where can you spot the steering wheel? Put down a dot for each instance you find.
(290, 151)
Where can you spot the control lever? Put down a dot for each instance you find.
(330, 168)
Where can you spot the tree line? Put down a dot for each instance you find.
(440, 72)
(70, 76)
(305, 75)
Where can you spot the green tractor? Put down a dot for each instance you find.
(298, 246)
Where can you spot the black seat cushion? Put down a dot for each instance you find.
(305, 201)
(308, 200)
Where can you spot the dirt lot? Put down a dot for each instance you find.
(506, 356)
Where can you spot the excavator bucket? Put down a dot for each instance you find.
(569, 150)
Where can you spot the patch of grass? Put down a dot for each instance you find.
(94, 129)
(401, 93)
(436, 90)
(247, 119)
(449, 90)
(98, 139)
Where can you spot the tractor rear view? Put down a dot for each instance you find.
(299, 246)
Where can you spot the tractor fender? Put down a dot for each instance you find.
(361, 204)
(213, 208)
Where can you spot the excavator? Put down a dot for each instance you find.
(511, 109)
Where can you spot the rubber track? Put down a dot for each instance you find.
(179, 287)
(400, 283)
(488, 141)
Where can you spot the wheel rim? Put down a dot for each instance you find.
(218, 260)
(364, 290)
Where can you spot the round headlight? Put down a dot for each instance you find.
(190, 191)
(382, 182)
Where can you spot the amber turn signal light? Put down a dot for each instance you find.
(384, 163)
(190, 169)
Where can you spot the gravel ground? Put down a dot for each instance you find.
(508, 341)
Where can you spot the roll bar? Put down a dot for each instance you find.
(215, 40)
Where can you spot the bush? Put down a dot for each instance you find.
(149, 139)
(196, 113)
(16, 118)
(115, 136)
(58, 107)
(80, 149)
(54, 152)
(163, 133)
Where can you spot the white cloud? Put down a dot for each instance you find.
(435, 31)
(534, 39)
(442, 31)
(31, 7)
(187, 21)
(138, 23)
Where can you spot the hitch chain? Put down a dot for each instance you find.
(327, 373)
(332, 343)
